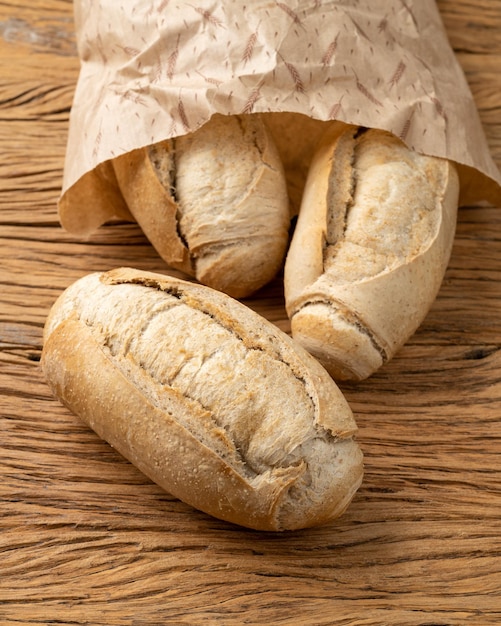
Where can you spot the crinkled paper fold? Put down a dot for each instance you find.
(155, 69)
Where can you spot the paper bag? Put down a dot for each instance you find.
(156, 69)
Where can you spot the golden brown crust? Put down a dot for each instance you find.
(216, 440)
(213, 203)
(370, 249)
(153, 206)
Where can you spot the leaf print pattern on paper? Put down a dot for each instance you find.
(131, 52)
(334, 111)
(158, 69)
(329, 53)
(97, 143)
(363, 90)
(182, 115)
(251, 42)
(382, 26)
(292, 14)
(298, 83)
(209, 80)
(439, 107)
(251, 101)
(398, 74)
(405, 129)
(172, 59)
(208, 17)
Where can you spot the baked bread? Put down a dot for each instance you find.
(204, 396)
(370, 249)
(213, 203)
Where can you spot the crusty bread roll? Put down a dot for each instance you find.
(370, 248)
(213, 203)
(206, 397)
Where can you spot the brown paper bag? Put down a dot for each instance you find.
(154, 69)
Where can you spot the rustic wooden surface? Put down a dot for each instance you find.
(86, 539)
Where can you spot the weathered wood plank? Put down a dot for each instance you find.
(472, 27)
(86, 539)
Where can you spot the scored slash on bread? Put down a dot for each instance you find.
(370, 248)
(213, 203)
(206, 397)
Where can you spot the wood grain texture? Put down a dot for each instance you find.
(86, 539)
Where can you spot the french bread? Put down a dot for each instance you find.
(213, 203)
(207, 398)
(370, 248)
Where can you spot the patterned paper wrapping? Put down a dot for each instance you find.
(154, 69)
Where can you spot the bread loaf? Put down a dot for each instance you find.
(213, 203)
(370, 248)
(206, 397)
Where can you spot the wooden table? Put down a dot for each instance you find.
(86, 539)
